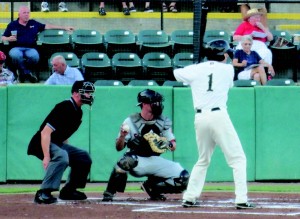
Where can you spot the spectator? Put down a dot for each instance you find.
(250, 64)
(22, 34)
(6, 76)
(126, 9)
(244, 7)
(62, 73)
(170, 8)
(61, 7)
(252, 26)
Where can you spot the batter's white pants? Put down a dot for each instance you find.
(215, 128)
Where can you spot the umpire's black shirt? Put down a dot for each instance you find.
(64, 119)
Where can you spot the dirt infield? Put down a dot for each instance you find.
(217, 205)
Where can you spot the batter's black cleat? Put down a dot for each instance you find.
(245, 205)
(67, 194)
(107, 197)
(43, 197)
(153, 196)
(188, 204)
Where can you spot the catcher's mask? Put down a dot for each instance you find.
(153, 98)
(86, 90)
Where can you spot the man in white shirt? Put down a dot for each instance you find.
(210, 82)
(62, 73)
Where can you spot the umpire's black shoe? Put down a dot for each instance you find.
(245, 205)
(43, 197)
(153, 196)
(107, 197)
(68, 194)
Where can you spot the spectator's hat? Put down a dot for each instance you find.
(2, 57)
(252, 12)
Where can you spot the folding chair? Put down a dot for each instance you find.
(142, 83)
(280, 82)
(246, 83)
(183, 59)
(182, 41)
(108, 83)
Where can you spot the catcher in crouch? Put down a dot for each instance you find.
(147, 135)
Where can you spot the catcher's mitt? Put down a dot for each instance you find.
(158, 144)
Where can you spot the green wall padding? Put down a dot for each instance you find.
(241, 111)
(3, 132)
(112, 105)
(28, 106)
(277, 133)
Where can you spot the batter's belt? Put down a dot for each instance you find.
(212, 109)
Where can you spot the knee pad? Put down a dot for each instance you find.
(128, 162)
(183, 179)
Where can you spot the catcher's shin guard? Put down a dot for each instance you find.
(117, 182)
(176, 185)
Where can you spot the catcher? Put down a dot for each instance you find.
(147, 135)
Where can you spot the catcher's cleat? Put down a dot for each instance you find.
(245, 205)
(188, 204)
(153, 196)
(107, 197)
(70, 194)
(43, 197)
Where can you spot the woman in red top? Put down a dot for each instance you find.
(260, 34)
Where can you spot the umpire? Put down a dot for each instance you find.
(50, 145)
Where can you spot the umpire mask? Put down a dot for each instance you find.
(153, 98)
(86, 90)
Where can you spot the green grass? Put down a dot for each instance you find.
(278, 188)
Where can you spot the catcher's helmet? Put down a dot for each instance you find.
(83, 87)
(216, 49)
(151, 97)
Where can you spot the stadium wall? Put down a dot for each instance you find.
(266, 119)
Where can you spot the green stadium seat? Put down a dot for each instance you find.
(182, 41)
(154, 41)
(280, 82)
(117, 41)
(108, 83)
(183, 59)
(158, 67)
(87, 41)
(174, 84)
(246, 83)
(96, 65)
(127, 66)
(143, 83)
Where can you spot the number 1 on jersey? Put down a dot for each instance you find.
(210, 82)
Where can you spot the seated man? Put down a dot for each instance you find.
(62, 73)
(164, 176)
(21, 35)
(6, 76)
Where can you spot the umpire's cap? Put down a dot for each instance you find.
(216, 49)
(83, 85)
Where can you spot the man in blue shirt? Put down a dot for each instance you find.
(21, 35)
(62, 73)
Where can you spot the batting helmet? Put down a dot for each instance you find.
(216, 49)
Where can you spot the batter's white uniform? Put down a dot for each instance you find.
(210, 82)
